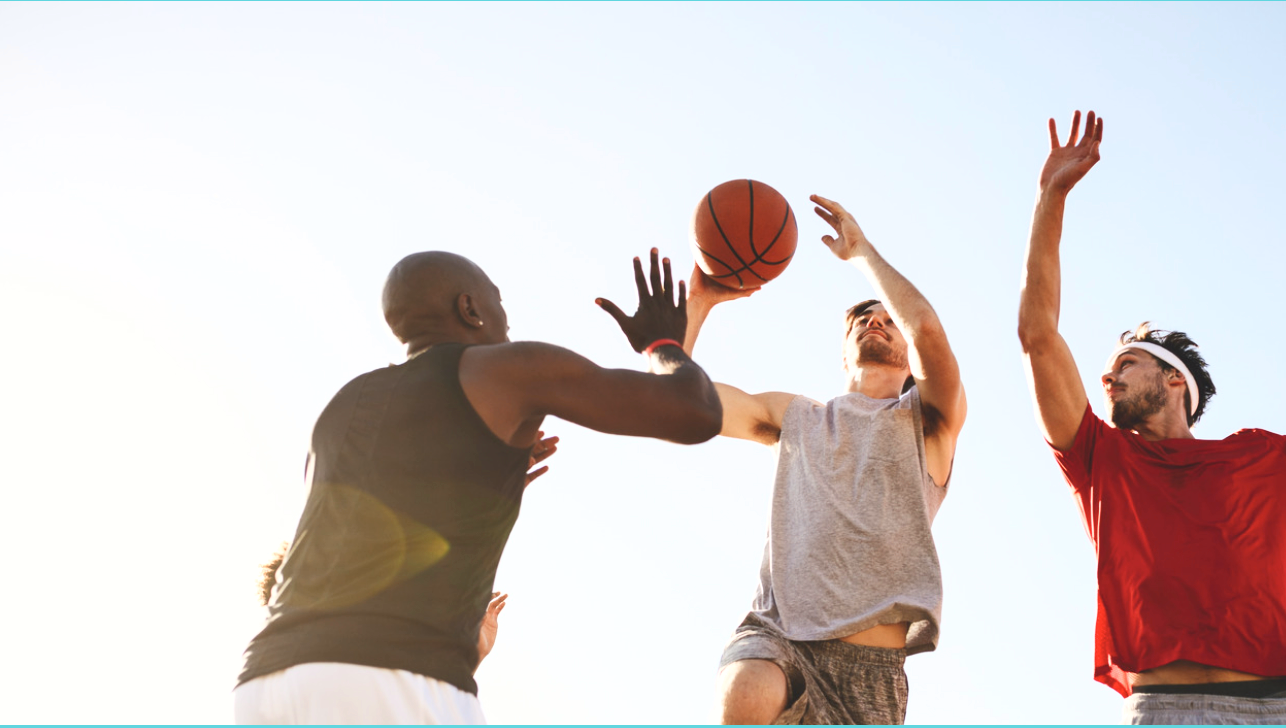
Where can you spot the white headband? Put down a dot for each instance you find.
(1166, 356)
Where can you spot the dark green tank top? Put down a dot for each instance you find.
(411, 500)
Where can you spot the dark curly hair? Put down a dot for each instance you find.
(1178, 343)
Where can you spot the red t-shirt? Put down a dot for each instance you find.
(1191, 544)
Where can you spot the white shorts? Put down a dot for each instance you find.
(335, 692)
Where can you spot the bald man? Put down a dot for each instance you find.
(416, 474)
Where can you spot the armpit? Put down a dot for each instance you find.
(931, 418)
(766, 431)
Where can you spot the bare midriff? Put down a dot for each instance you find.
(891, 636)
(1182, 672)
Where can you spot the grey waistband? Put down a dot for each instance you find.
(1180, 709)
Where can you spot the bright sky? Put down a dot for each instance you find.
(199, 202)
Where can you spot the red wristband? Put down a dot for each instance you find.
(660, 342)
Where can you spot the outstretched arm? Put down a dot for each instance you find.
(514, 386)
(1051, 371)
(703, 295)
(933, 365)
(754, 417)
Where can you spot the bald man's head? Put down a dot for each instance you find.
(437, 296)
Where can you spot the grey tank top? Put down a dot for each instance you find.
(849, 546)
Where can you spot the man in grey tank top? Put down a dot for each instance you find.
(850, 582)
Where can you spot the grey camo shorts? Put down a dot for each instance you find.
(830, 682)
(1195, 708)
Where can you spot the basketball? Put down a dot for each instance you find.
(743, 234)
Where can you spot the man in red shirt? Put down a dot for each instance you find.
(1190, 534)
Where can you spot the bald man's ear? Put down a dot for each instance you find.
(467, 312)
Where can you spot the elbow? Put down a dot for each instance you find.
(702, 418)
(698, 412)
(703, 423)
(1034, 334)
(1037, 320)
(1024, 335)
(711, 425)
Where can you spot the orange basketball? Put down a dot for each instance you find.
(743, 234)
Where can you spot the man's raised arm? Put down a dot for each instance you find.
(754, 417)
(933, 365)
(1051, 370)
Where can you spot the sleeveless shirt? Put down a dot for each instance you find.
(411, 500)
(849, 546)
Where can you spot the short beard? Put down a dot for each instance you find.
(1130, 412)
(878, 352)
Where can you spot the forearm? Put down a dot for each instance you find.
(1038, 308)
(698, 309)
(909, 308)
(686, 390)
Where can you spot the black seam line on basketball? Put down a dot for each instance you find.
(736, 271)
(707, 254)
(750, 184)
(744, 267)
(732, 271)
(727, 242)
(784, 220)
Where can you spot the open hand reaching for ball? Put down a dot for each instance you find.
(659, 316)
(851, 240)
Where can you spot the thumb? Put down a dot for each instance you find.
(613, 311)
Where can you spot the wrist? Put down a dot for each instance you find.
(652, 347)
(1052, 195)
(700, 298)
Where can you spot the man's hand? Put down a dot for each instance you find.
(703, 289)
(705, 295)
(851, 241)
(490, 624)
(658, 316)
(1067, 164)
(544, 447)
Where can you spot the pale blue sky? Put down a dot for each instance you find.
(198, 204)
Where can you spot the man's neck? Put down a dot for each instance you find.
(876, 382)
(1168, 424)
(420, 344)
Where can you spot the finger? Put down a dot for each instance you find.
(1053, 134)
(654, 271)
(1098, 132)
(667, 281)
(1076, 127)
(531, 477)
(543, 455)
(683, 297)
(639, 280)
(824, 202)
(829, 218)
(542, 443)
(612, 309)
(1089, 129)
(831, 206)
(830, 242)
